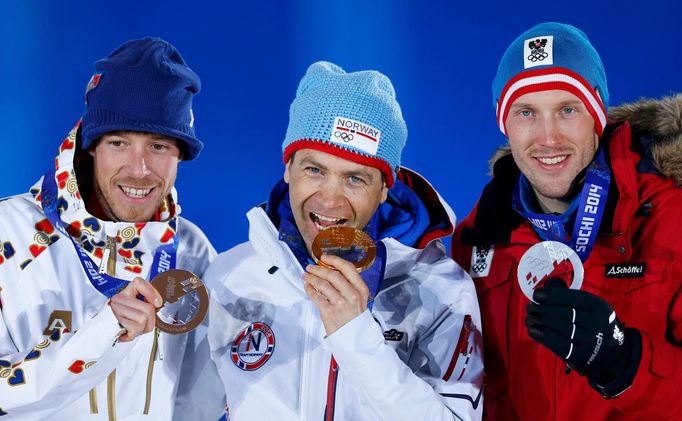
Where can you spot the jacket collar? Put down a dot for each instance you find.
(264, 235)
(495, 219)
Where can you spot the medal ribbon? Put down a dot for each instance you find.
(374, 275)
(289, 234)
(589, 214)
(164, 256)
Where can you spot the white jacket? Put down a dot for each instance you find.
(57, 332)
(406, 359)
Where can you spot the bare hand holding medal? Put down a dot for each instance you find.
(185, 301)
(175, 301)
(335, 285)
(135, 316)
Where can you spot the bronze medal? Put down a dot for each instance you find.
(348, 243)
(185, 301)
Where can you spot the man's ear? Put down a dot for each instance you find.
(384, 192)
(286, 171)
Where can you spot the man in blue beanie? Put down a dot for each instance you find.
(298, 334)
(77, 313)
(574, 244)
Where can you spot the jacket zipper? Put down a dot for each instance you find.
(110, 250)
(331, 390)
(305, 370)
(111, 395)
(108, 266)
(93, 401)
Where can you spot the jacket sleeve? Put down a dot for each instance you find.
(61, 368)
(445, 374)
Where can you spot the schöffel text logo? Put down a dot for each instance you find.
(626, 270)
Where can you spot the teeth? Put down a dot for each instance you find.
(137, 193)
(321, 218)
(552, 161)
(326, 218)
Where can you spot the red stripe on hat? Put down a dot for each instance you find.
(347, 154)
(554, 78)
(548, 86)
(366, 135)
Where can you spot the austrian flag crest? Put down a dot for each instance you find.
(538, 51)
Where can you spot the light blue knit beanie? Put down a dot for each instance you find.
(552, 56)
(354, 116)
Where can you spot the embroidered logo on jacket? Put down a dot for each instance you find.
(60, 321)
(628, 270)
(481, 259)
(393, 335)
(253, 346)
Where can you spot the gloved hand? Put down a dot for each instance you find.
(582, 329)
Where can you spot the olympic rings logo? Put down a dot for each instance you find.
(539, 56)
(346, 137)
(479, 267)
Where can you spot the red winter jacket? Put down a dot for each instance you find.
(642, 225)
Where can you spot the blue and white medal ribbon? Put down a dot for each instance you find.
(589, 214)
(164, 257)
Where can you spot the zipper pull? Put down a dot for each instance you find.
(108, 264)
(159, 345)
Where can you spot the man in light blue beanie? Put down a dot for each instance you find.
(354, 116)
(297, 333)
(77, 252)
(568, 242)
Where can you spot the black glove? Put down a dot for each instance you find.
(582, 329)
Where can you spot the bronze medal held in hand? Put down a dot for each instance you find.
(185, 301)
(348, 243)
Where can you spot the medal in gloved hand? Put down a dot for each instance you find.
(546, 260)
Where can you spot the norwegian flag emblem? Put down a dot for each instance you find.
(92, 84)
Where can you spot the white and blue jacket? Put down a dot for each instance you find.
(415, 355)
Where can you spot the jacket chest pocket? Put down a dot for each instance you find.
(640, 293)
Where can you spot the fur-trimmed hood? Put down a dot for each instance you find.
(657, 119)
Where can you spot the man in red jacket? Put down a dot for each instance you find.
(574, 245)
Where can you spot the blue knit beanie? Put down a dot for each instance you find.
(354, 116)
(144, 85)
(552, 56)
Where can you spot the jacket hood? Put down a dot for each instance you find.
(134, 241)
(658, 121)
